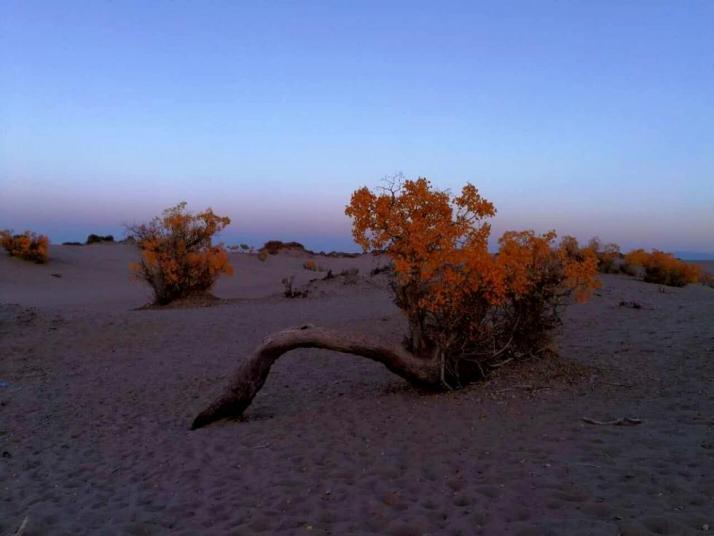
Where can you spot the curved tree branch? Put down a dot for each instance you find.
(253, 371)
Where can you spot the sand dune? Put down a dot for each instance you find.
(98, 277)
(98, 397)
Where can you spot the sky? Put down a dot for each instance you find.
(592, 118)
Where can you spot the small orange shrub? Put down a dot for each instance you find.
(28, 246)
(310, 265)
(540, 275)
(662, 268)
(177, 255)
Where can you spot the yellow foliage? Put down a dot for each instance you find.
(28, 246)
(663, 268)
(447, 283)
(637, 258)
(177, 254)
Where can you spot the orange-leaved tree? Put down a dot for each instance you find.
(28, 245)
(460, 301)
(466, 309)
(178, 258)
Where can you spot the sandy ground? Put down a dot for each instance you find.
(97, 398)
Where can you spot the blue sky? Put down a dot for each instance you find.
(593, 118)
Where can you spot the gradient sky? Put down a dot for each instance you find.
(592, 117)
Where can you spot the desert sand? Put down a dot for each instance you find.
(98, 395)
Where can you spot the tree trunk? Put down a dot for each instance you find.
(252, 373)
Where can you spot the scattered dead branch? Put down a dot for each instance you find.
(631, 304)
(623, 385)
(624, 421)
(290, 290)
(500, 364)
(21, 530)
(530, 388)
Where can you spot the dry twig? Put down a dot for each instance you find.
(23, 525)
(624, 421)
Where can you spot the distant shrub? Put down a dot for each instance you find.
(178, 258)
(290, 290)
(661, 268)
(244, 247)
(311, 265)
(610, 259)
(28, 245)
(385, 269)
(634, 262)
(636, 257)
(570, 247)
(273, 247)
(98, 239)
(340, 255)
(350, 276)
(608, 256)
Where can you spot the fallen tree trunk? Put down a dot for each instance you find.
(253, 371)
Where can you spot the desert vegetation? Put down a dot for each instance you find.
(290, 290)
(609, 257)
(273, 247)
(241, 248)
(662, 268)
(655, 266)
(99, 239)
(468, 311)
(311, 265)
(178, 258)
(28, 246)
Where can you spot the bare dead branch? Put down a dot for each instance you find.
(253, 371)
(625, 421)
